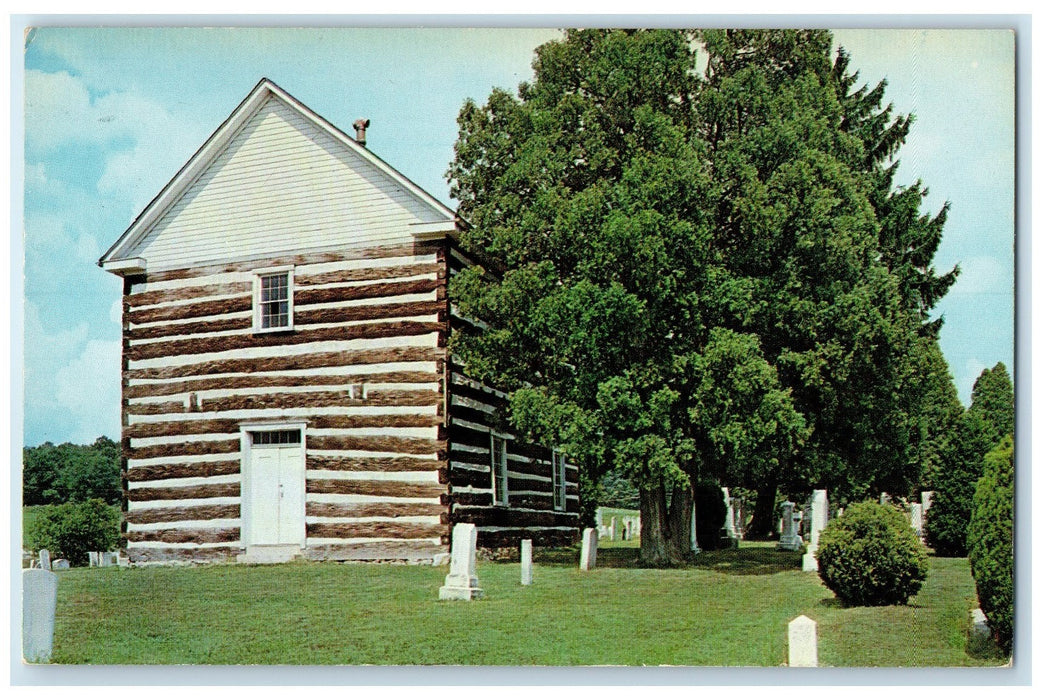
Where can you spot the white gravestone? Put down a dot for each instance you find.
(60, 564)
(462, 580)
(926, 498)
(730, 533)
(526, 562)
(694, 530)
(916, 517)
(803, 642)
(614, 525)
(39, 599)
(93, 559)
(884, 499)
(789, 539)
(819, 519)
(588, 556)
(109, 558)
(980, 632)
(45, 560)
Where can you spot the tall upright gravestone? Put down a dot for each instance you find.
(588, 555)
(462, 580)
(819, 519)
(790, 540)
(39, 600)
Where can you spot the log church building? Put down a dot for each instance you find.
(286, 390)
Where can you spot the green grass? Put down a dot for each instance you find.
(729, 609)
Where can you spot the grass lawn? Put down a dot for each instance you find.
(729, 609)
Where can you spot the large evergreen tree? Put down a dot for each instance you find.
(979, 431)
(690, 281)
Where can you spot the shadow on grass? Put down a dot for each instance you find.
(983, 647)
(757, 560)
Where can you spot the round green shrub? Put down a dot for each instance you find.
(871, 556)
(990, 538)
(710, 512)
(71, 530)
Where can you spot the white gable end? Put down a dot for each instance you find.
(282, 184)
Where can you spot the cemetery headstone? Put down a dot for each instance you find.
(588, 556)
(884, 498)
(60, 564)
(789, 539)
(109, 558)
(979, 630)
(819, 519)
(614, 524)
(694, 530)
(93, 559)
(739, 517)
(916, 517)
(39, 600)
(803, 642)
(729, 536)
(526, 562)
(45, 560)
(926, 498)
(461, 583)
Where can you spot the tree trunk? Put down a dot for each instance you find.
(763, 515)
(679, 536)
(654, 549)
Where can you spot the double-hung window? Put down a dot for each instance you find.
(498, 451)
(560, 498)
(273, 300)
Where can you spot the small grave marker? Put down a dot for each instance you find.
(461, 583)
(526, 562)
(803, 642)
(60, 564)
(45, 560)
(588, 556)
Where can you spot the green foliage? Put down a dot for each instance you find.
(64, 473)
(686, 275)
(71, 530)
(616, 491)
(871, 556)
(710, 513)
(992, 400)
(990, 539)
(963, 461)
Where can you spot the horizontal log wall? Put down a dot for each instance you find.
(474, 412)
(362, 368)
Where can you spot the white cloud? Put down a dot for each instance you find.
(88, 387)
(50, 234)
(116, 312)
(983, 275)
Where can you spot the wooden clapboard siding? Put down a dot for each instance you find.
(185, 535)
(371, 464)
(282, 177)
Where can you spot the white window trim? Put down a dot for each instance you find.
(257, 275)
(499, 499)
(559, 479)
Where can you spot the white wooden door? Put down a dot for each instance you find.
(276, 494)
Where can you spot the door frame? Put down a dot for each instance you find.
(245, 501)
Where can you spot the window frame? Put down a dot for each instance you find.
(258, 309)
(558, 469)
(500, 497)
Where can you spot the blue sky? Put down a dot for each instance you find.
(112, 114)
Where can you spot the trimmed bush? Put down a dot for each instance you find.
(710, 512)
(871, 556)
(991, 542)
(71, 530)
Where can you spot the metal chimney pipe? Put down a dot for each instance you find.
(360, 126)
